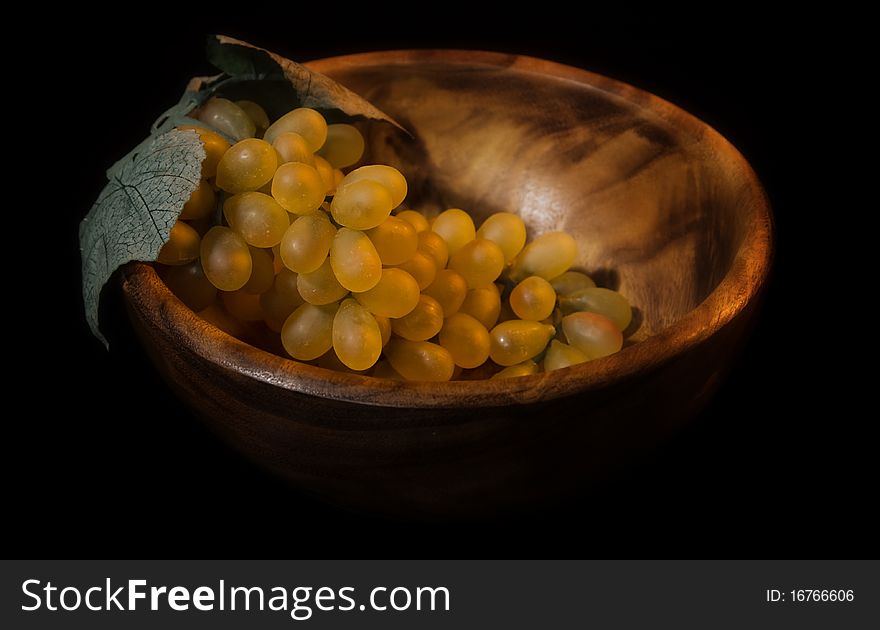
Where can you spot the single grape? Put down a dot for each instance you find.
(593, 334)
(281, 300)
(433, 244)
(571, 281)
(259, 219)
(526, 368)
(247, 165)
(215, 147)
(201, 203)
(547, 256)
(257, 114)
(560, 355)
(182, 246)
(483, 304)
(479, 261)
(516, 340)
(262, 271)
(306, 243)
(308, 331)
(242, 305)
(533, 298)
(395, 240)
(320, 286)
(507, 231)
(226, 258)
(606, 302)
(306, 122)
(361, 205)
(357, 339)
(421, 267)
(298, 188)
(387, 176)
(344, 145)
(292, 147)
(456, 227)
(227, 117)
(395, 295)
(466, 339)
(330, 361)
(423, 322)
(355, 260)
(416, 219)
(420, 360)
(189, 283)
(384, 328)
(449, 289)
(326, 172)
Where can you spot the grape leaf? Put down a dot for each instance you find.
(134, 213)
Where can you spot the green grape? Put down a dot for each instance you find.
(483, 304)
(306, 122)
(355, 260)
(344, 145)
(387, 176)
(384, 328)
(422, 323)
(456, 227)
(308, 332)
(281, 300)
(560, 355)
(257, 217)
(257, 114)
(201, 203)
(189, 283)
(226, 259)
(479, 261)
(182, 246)
(526, 368)
(227, 117)
(516, 340)
(320, 286)
(395, 240)
(262, 271)
(247, 165)
(419, 360)
(292, 147)
(298, 188)
(215, 147)
(606, 302)
(593, 334)
(416, 219)
(326, 172)
(306, 243)
(433, 244)
(421, 267)
(466, 339)
(507, 231)
(357, 339)
(571, 281)
(242, 305)
(547, 256)
(533, 298)
(449, 289)
(361, 205)
(395, 295)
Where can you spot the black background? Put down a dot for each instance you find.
(103, 461)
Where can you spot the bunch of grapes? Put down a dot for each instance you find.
(318, 256)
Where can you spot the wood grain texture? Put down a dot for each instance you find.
(664, 209)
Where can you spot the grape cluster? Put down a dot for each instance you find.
(318, 256)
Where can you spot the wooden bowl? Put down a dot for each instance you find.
(664, 209)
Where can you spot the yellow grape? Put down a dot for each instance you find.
(456, 227)
(182, 246)
(357, 339)
(449, 289)
(298, 188)
(201, 203)
(421, 267)
(416, 219)
(560, 355)
(433, 244)
(606, 302)
(215, 147)
(320, 286)
(526, 368)
(506, 230)
(329, 361)
(259, 219)
(547, 256)
(247, 165)
(306, 243)
(483, 304)
(533, 298)
(593, 334)
(395, 240)
(189, 283)
(479, 261)
(466, 339)
(292, 147)
(387, 176)
(419, 360)
(361, 205)
(384, 328)
(422, 323)
(516, 340)
(344, 145)
(395, 295)
(242, 305)
(306, 122)
(338, 176)
(326, 172)
(308, 331)
(257, 114)
(227, 117)
(226, 258)
(571, 281)
(262, 271)
(383, 369)
(281, 300)
(355, 260)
